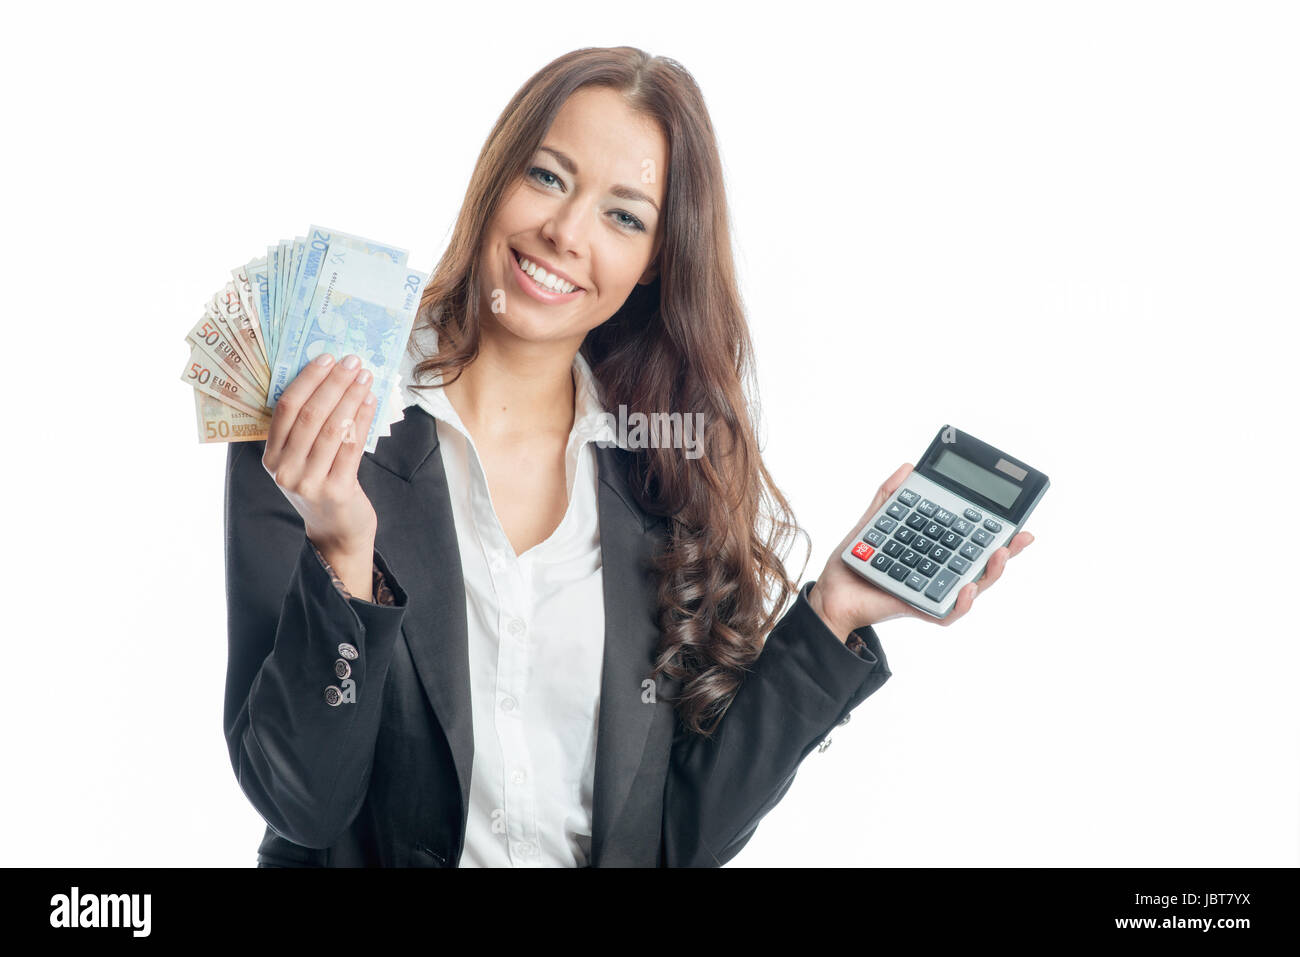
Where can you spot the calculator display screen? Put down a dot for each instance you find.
(992, 486)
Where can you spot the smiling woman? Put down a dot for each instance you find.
(560, 647)
(603, 173)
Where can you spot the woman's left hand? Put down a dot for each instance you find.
(847, 601)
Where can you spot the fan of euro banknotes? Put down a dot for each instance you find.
(326, 292)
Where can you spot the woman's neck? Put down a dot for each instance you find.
(515, 387)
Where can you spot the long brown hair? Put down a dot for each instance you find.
(680, 342)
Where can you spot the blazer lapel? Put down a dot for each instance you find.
(417, 535)
(631, 637)
(436, 630)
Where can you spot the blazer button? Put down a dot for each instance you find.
(342, 669)
(348, 651)
(845, 721)
(333, 696)
(826, 743)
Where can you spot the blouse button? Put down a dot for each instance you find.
(516, 627)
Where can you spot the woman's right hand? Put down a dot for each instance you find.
(313, 449)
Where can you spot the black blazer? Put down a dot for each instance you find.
(384, 780)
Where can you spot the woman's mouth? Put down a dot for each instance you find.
(540, 284)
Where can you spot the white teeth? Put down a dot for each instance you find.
(545, 279)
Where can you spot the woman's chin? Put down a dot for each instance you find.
(522, 325)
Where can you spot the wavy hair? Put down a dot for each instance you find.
(680, 341)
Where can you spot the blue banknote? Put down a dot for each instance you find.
(321, 248)
(364, 303)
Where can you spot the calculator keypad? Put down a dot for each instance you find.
(924, 546)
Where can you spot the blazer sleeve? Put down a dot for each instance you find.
(378, 583)
(804, 683)
(293, 635)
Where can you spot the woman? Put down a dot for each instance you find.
(503, 639)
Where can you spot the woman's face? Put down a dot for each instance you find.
(587, 209)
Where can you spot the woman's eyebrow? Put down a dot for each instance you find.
(622, 192)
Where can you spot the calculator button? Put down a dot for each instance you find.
(973, 515)
(908, 497)
(862, 550)
(934, 530)
(892, 549)
(928, 568)
(939, 555)
(927, 508)
(959, 565)
(874, 537)
(971, 551)
(909, 558)
(962, 527)
(981, 537)
(916, 582)
(881, 564)
(904, 535)
(941, 585)
(950, 540)
(896, 510)
(992, 526)
(922, 545)
(898, 571)
(886, 525)
(916, 520)
(944, 517)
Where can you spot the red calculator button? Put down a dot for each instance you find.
(862, 550)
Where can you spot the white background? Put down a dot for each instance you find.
(1070, 229)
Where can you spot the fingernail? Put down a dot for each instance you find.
(351, 362)
(369, 399)
(364, 377)
(324, 359)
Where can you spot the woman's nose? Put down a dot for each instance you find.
(565, 230)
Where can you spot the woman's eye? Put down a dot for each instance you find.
(537, 172)
(634, 223)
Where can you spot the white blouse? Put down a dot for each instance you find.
(536, 645)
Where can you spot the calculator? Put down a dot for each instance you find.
(962, 502)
